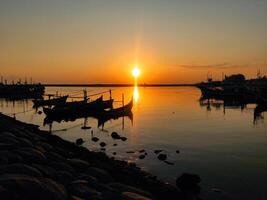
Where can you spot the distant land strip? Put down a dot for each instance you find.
(117, 85)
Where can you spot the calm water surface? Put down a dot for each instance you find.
(226, 147)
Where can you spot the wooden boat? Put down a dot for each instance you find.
(75, 109)
(101, 114)
(112, 113)
(50, 102)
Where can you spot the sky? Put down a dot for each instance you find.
(100, 41)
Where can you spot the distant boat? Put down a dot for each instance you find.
(21, 91)
(50, 102)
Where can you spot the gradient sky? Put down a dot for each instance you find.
(100, 41)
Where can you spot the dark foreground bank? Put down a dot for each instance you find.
(37, 165)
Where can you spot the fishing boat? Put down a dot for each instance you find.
(113, 113)
(98, 110)
(50, 102)
(75, 109)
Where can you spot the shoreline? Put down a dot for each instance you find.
(53, 168)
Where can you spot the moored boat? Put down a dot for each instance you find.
(50, 102)
(77, 109)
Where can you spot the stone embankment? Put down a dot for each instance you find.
(37, 165)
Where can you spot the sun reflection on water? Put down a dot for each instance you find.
(136, 94)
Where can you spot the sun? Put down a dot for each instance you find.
(136, 72)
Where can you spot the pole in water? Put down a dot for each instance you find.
(122, 99)
(85, 95)
(110, 95)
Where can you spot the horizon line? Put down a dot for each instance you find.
(117, 85)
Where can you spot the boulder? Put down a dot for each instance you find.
(31, 155)
(115, 136)
(31, 188)
(45, 170)
(121, 188)
(162, 157)
(60, 166)
(82, 190)
(101, 175)
(79, 141)
(11, 157)
(188, 182)
(78, 165)
(133, 196)
(20, 169)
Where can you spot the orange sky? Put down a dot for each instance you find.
(101, 41)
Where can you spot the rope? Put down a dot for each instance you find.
(65, 129)
(99, 93)
(18, 112)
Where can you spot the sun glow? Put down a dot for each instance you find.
(136, 72)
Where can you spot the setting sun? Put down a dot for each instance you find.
(136, 72)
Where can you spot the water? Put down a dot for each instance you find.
(227, 148)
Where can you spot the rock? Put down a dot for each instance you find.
(78, 165)
(121, 188)
(130, 152)
(45, 146)
(216, 190)
(157, 151)
(7, 134)
(11, 157)
(115, 145)
(31, 188)
(60, 166)
(100, 174)
(102, 144)
(40, 112)
(45, 170)
(52, 156)
(177, 151)
(95, 139)
(142, 151)
(189, 182)
(86, 127)
(31, 155)
(9, 140)
(25, 142)
(133, 196)
(79, 141)
(81, 189)
(64, 177)
(76, 198)
(88, 178)
(3, 161)
(168, 163)
(162, 157)
(4, 193)
(142, 156)
(123, 139)
(115, 136)
(4, 146)
(114, 153)
(20, 169)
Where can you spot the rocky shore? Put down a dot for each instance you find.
(37, 165)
